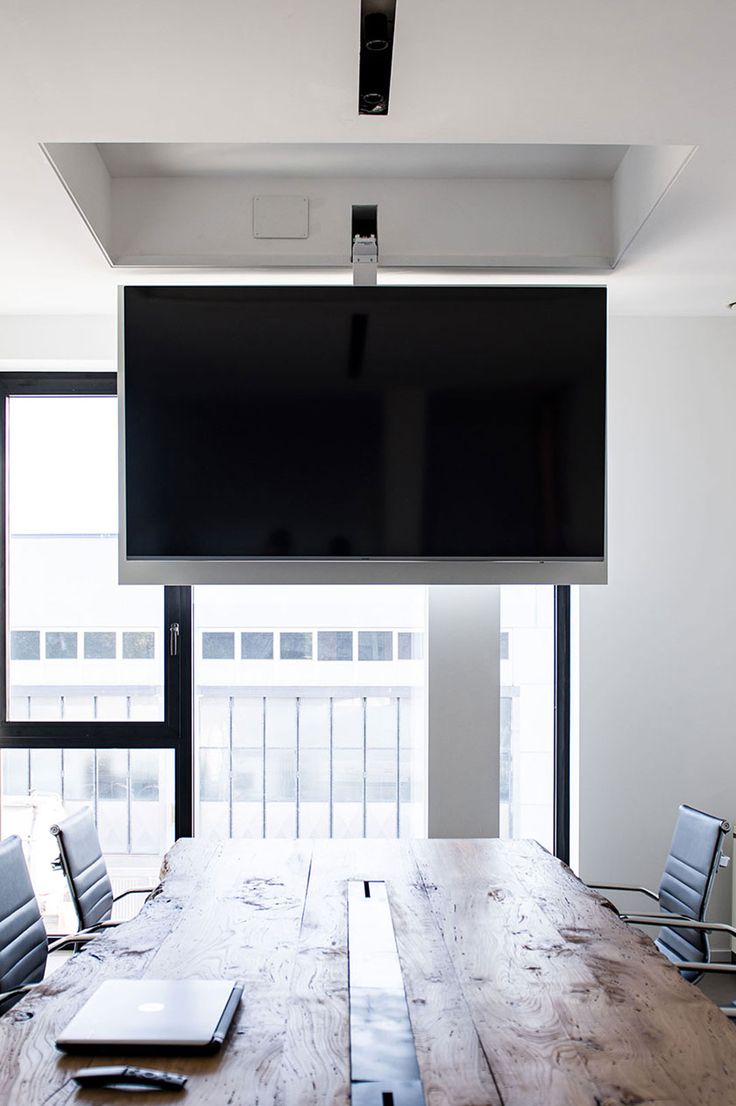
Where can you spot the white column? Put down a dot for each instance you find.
(463, 710)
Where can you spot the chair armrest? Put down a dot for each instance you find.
(133, 891)
(641, 918)
(622, 887)
(677, 922)
(17, 991)
(80, 938)
(696, 966)
(94, 930)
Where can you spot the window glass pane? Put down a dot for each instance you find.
(247, 775)
(335, 645)
(45, 770)
(347, 723)
(214, 775)
(527, 712)
(348, 776)
(138, 645)
(410, 646)
(99, 645)
(64, 602)
(131, 795)
(296, 647)
(214, 721)
(381, 722)
(25, 645)
(314, 776)
(381, 778)
(345, 744)
(16, 774)
(281, 723)
(314, 723)
(255, 646)
(281, 775)
(248, 721)
(375, 645)
(79, 775)
(218, 646)
(61, 645)
(112, 774)
(144, 777)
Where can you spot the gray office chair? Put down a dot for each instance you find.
(695, 857)
(24, 943)
(86, 872)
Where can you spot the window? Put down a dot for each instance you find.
(335, 645)
(256, 646)
(375, 645)
(99, 645)
(130, 792)
(334, 755)
(296, 647)
(527, 712)
(139, 646)
(61, 645)
(409, 646)
(218, 646)
(61, 552)
(96, 719)
(25, 645)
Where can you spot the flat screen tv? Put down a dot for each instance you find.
(435, 434)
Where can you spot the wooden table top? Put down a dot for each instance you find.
(523, 987)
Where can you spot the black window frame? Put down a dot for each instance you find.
(175, 730)
(562, 719)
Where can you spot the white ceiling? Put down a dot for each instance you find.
(469, 73)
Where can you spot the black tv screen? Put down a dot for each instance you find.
(379, 422)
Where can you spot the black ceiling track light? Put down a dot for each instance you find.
(377, 19)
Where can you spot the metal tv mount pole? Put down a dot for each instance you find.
(364, 253)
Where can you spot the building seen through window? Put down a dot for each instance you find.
(316, 728)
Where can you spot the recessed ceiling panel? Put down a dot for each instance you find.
(544, 207)
(361, 159)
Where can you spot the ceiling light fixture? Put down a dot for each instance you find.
(375, 29)
(377, 18)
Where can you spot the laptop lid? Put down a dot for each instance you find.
(182, 1015)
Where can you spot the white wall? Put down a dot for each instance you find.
(75, 342)
(658, 643)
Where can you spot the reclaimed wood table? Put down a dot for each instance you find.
(523, 986)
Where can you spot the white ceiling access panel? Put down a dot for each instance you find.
(504, 206)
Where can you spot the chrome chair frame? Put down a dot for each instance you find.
(21, 922)
(103, 878)
(672, 920)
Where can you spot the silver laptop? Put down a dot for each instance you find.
(153, 1015)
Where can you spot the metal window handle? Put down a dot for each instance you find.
(174, 639)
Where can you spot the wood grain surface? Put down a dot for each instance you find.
(523, 986)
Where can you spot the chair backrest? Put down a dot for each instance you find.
(23, 939)
(84, 867)
(687, 882)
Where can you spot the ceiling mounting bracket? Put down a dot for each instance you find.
(365, 259)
